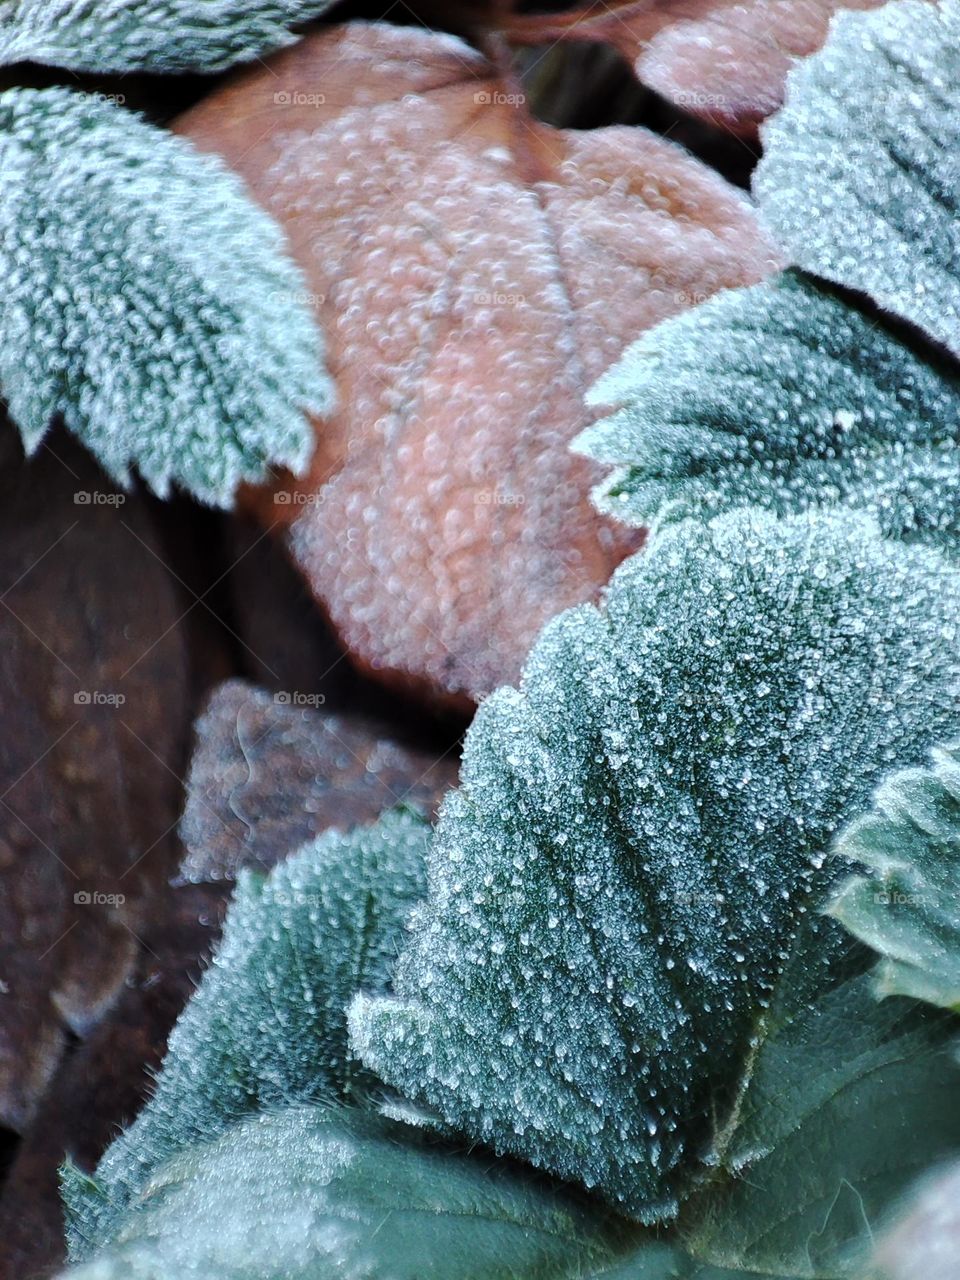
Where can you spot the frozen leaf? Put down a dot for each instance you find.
(725, 60)
(475, 270)
(786, 397)
(858, 181)
(267, 1024)
(147, 301)
(269, 773)
(96, 713)
(641, 828)
(906, 906)
(151, 35)
(311, 1192)
(925, 1243)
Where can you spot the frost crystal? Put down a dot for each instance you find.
(266, 1026)
(148, 301)
(641, 826)
(861, 175)
(151, 35)
(906, 908)
(781, 396)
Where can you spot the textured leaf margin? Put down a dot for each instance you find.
(148, 301)
(639, 830)
(151, 35)
(267, 1024)
(907, 906)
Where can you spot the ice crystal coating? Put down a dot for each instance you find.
(612, 890)
(860, 180)
(148, 301)
(151, 35)
(781, 396)
(906, 907)
(314, 1192)
(267, 1024)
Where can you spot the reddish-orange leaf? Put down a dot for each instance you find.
(725, 60)
(474, 271)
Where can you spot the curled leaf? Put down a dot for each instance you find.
(781, 396)
(856, 181)
(147, 301)
(641, 828)
(907, 906)
(267, 1024)
(151, 35)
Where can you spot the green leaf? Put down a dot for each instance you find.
(860, 181)
(907, 906)
(313, 1192)
(148, 301)
(151, 35)
(641, 828)
(267, 1024)
(781, 396)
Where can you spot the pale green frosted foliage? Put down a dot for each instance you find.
(860, 179)
(612, 891)
(907, 908)
(267, 1024)
(781, 396)
(313, 1192)
(147, 300)
(148, 35)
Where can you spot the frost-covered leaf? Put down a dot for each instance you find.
(150, 35)
(907, 906)
(725, 60)
(268, 775)
(925, 1243)
(267, 1024)
(641, 826)
(786, 397)
(860, 180)
(147, 301)
(472, 289)
(313, 1192)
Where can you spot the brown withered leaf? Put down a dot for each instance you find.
(474, 271)
(723, 60)
(100, 1087)
(88, 783)
(270, 773)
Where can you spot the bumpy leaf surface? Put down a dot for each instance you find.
(640, 827)
(151, 35)
(267, 776)
(475, 274)
(725, 60)
(859, 179)
(907, 908)
(147, 301)
(267, 1024)
(311, 1192)
(786, 397)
